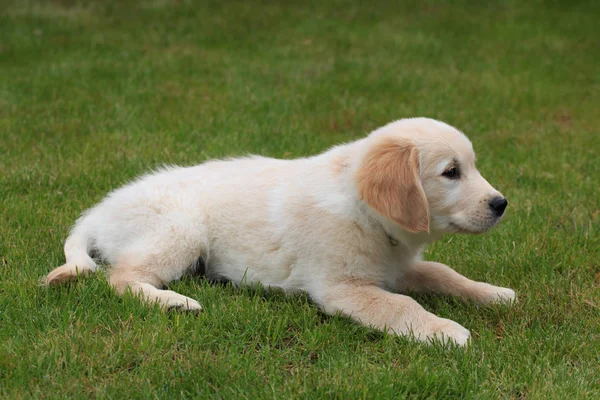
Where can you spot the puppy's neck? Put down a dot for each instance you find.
(407, 238)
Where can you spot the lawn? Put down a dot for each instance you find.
(93, 93)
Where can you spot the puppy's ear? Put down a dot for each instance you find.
(388, 181)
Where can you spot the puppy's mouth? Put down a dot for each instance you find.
(480, 227)
(456, 228)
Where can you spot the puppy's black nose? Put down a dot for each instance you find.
(498, 205)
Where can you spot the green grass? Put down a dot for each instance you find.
(93, 93)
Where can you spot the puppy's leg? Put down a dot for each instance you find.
(425, 277)
(145, 284)
(395, 313)
(149, 265)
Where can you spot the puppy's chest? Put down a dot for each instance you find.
(399, 260)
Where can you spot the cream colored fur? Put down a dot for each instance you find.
(347, 226)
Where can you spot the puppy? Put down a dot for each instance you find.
(347, 226)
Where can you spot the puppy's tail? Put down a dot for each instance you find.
(79, 263)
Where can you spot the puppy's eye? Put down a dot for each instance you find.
(451, 173)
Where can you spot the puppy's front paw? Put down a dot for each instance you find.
(170, 300)
(506, 295)
(185, 304)
(498, 295)
(441, 329)
(449, 331)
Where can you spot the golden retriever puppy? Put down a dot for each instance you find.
(347, 226)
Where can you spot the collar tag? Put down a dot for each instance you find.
(393, 242)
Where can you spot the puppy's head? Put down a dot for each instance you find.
(421, 174)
